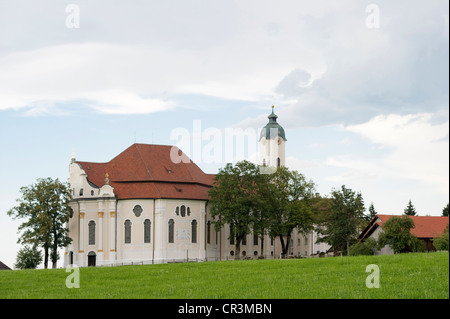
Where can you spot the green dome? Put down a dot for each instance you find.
(273, 124)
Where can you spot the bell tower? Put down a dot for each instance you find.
(272, 143)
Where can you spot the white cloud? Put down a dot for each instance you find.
(97, 75)
(300, 165)
(221, 50)
(415, 148)
(125, 79)
(125, 102)
(402, 67)
(319, 59)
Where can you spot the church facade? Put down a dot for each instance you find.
(141, 207)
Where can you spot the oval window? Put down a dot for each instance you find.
(137, 210)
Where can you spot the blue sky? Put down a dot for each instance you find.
(362, 105)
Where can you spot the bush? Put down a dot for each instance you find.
(363, 248)
(28, 258)
(441, 243)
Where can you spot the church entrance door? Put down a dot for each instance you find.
(91, 258)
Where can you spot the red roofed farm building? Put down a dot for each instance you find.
(425, 228)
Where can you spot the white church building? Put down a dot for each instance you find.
(141, 207)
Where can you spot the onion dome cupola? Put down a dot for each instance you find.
(273, 129)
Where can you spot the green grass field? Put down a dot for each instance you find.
(422, 275)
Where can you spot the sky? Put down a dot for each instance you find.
(361, 89)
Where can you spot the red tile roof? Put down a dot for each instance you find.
(424, 226)
(147, 171)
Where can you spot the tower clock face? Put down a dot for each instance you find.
(279, 140)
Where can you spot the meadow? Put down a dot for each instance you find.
(415, 275)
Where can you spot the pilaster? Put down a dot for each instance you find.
(81, 243)
(112, 236)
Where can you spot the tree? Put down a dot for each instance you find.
(340, 228)
(445, 211)
(441, 243)
(397, 234)
(410, 210)
(322, 210)
(372, 212)
(45, 206)
(234, 200)
(291, 205)
(263, 204)
(28, 258)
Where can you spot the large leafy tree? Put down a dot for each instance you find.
(341, 226)
(397, 234)
(322, 209)
(263, 203)
(290, 205)
(45, 208)
(234, 200)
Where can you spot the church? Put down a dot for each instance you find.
(142, 208)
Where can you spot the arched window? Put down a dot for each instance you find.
(91, 229)
(231, 234)
(81, 192)
(183, 211)
(171, 230)
(194, 231)
(147, 225)
(278, 162)
(255, 239)
(127, 231)
(208, 232)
